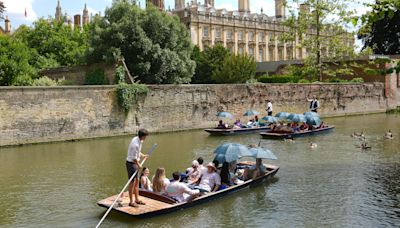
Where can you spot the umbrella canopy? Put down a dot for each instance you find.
(251, 113)
(297, 118)
(282, 115)
(225, 115)
(311, 114)
(270, 119)
(258, 152)
(313, 120)
(229, 152)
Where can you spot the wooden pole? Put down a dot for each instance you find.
(127, 70)
(126, 185)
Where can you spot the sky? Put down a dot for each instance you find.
(15, 9)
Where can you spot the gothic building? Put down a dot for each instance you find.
(243, 32)
(7, 27)
(77, 18)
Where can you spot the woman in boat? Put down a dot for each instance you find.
(255, 170)
(193, 173)
(160, 182)
(145, 182)
(237, 124)
(256, 122)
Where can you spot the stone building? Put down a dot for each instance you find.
(7, 27)
(242, 31)
(77, 18)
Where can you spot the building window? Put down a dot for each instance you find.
(300, 53)
(271, 36)
(261, 37)
(229, 34)
(251, 36)
(289, 53)
(240, 51)
(271, 54)
(261, 55)
(240, 35)
(205, 31)
(251, 51)
(218, 33)
(280, 54)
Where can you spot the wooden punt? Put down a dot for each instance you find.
(238, 131)
(157, 204)
(270, 135)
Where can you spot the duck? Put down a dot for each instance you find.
(388, 135)
(365, 146)
(313, 145)
(289, 140)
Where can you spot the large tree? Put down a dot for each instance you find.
(2, 9)
(235, 69)
(380, 29)
(321, 27)
(155, 45)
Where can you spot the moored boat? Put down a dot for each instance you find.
(237, 131)
(157, 204)
(272, 135)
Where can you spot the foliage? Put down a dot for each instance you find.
(155, 46)
(96, 77)
(235, 69)
(327, 20)
(357, 80)
(208, 63)
(14, 63)
(120, 74)
(303, 81)
(44, 81)
(278, 79)
(55, 43)
(128, 94)
(2, 9)
(380, 29)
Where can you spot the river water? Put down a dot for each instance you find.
(335, 185)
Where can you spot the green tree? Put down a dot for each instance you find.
(156, 46)
(235, 69)
(54, 43)
(2, 9)
(380, 29)
(14, 63)
(208, 62)
(322, 29)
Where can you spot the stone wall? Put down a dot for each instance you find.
(39, 114)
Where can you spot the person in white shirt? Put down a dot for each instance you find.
(160, 182)
(180, 191)
(314, 104)
(210, 181)
(133, 166)
(193, 173)
(269, 108)
(201, 166)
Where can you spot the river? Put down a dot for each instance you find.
(335, 184)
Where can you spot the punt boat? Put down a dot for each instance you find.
(271, 135)
(238, 131)
(157, 204)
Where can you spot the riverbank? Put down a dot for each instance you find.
(46, 114)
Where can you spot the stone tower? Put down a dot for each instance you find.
(77, 21)
(209, 2)
(7, 23)
(244, 5)
(58, 14)
(280, 8)
(85, 16)
(179, 4)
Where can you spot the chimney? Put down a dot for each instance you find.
(244, 5)
(77, 21)
(279, 8)
(7, 28)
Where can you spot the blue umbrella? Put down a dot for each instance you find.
(282, 115)
(258, 152)
(225, 115)
(220, 158)
(311, 114)
(270, 119)
(231, 151)
(313, 120)
(251, 113)
(297, 118)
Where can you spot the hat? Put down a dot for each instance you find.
(211, 165)
(195, 163)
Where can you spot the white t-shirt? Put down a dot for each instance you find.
(134, 149)
(269, 107)
(209, 180)
(180, 191)
(202, 169)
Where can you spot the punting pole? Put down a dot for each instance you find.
(126, 185)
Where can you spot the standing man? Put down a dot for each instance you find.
(314, 104)
(133, 165)
(269, 108)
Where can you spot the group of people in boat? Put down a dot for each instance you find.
(295, 127)
(252, 123)
(198, 179)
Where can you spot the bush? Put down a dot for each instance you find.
(235, 69)
(278, 79)
(357, 80)
(44, 81)
(304, 81)
(96, 77)
(128, 94)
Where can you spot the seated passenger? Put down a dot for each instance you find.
(160, 182)
(222, 125)
(256, 122)
(237, 124)
(295, 127)
(210, 180)
(250, 124)
(255, 171)
(180, 191)
(216, 164)
(193, 172)
(304, 127)
(225, 175)
(322, 125)
(145, 182)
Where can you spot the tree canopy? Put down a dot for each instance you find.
(235, 69)
(156, 46)
(380, 29)
(2, 9)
